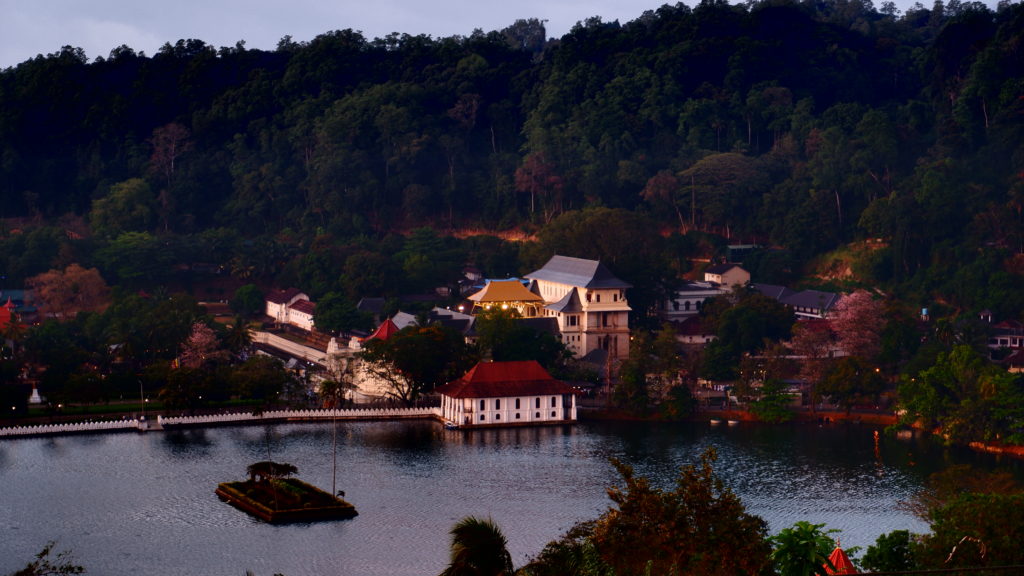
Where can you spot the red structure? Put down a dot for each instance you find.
(841, 561)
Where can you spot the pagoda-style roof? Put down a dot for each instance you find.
(578, 272)
(501, 291)
(569, 304)
(386, 330)
(504, 380)
(841, 562)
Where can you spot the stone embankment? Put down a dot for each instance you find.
(270, 416)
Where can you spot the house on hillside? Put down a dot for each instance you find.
(804, 304)
(693, 331)
(1015, 361)
(589, 303)
(507, 394)
(688, 300)
(291, 307)
(727, 275)
(1006, 334)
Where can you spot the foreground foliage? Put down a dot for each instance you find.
(478, 548)
(47, 565)
(699, 527)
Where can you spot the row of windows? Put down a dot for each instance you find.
(497, 403)
(616, 296)
(686, 305)
(536, 416)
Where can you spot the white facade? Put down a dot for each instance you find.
(509, 410)
(689, 300)
(589, 303)
(279, 306)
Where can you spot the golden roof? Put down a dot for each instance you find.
(505, 291)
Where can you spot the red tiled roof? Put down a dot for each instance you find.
(283, 296)
(690, 326)
(304, 306)
(1015, 359)
(505, 379)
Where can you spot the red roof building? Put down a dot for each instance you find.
(7, 315)
(386, 330)
(507, 394)
(841, 561)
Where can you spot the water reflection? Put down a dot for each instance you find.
(125, 503)
(187, 443)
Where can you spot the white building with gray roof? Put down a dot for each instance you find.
(588, 302)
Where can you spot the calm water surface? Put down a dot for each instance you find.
(144, 504)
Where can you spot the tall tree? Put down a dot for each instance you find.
(169, 143)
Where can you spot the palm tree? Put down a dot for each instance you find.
(478, 549)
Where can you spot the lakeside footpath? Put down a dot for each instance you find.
(129, 423)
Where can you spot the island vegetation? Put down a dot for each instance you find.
(271, 495)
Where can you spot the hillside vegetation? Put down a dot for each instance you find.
(354, 166)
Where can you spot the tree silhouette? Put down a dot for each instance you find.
(478, 548)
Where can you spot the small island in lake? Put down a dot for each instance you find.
(272, 496)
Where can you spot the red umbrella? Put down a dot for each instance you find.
(841, 561)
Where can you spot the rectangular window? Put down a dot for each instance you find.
(497, 416)
(517, 403)
(483, 406)
(552, 401)
(497, 404)
(538, 403)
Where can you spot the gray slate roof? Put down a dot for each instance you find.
(568, 304)
(578, 272)
(814, 299)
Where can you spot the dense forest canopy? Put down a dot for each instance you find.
(797, 125)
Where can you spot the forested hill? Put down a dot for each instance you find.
(801, 125)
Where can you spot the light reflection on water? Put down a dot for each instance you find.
(127, 503)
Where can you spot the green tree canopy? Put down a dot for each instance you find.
(699, 527)
(417, 359)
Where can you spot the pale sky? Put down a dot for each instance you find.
(31, 27)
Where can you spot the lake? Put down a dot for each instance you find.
(144, 503)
